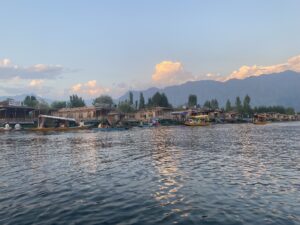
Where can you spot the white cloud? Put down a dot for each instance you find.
(33, 87)
(36, 83)
(5, 62)
(170, 73)
(91, 84)
(248, 71)
(90, 88)
(8, 70)
(76, 87)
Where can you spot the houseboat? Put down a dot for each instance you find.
(260, 119)
(200, 120)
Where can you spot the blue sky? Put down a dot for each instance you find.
(108, 47)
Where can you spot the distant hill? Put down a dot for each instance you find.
(88, 102)
(272, 89)
(22, 97)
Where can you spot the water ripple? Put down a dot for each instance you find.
(223, 174)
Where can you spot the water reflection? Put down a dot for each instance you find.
(227, 174)
(166, 160)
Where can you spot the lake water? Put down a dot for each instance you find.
(222, 174)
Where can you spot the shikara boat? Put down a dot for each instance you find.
(201, 120)
(106, 126)
(260, 119)
(54, 123)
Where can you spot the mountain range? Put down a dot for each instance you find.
(272, 89)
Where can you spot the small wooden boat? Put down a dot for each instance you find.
(201, 120)
(54, 123)
(49, 129)
(260, 119)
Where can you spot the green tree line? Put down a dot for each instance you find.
(158, 100)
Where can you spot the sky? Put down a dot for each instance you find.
(57, 48)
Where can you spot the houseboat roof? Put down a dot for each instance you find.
(5, 107)
(57, 118)
(85, 108)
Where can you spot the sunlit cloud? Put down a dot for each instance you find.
(90, 88)
(9, 70)
(18, 86)
(36, 83)
(170, 73)
(5, 62)
(76, 87)
(91, 84)
(255, 70)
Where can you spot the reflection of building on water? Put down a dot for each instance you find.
(165, 160)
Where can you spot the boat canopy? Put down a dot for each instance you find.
(57, 118)
(200, 116)
(260, 115)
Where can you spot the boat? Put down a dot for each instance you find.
(143, 124)
(54, 123)
(259, 119)
(200, 120)
(152, 123)
(105, 126)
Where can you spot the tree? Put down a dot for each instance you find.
(156, 99)
(125, 107)
(238, 105)
(43, 105)
(103, 99)
(159, 100)
(130, 98)
(30, 101)
(290, 111)
(142, 101)
(76, 101)
(150, 103)
(214, 104)
(274, 109)
(228, 107)
(58, 104)
(192, 100)
(164, 101)
(246, 105)
(207, 104)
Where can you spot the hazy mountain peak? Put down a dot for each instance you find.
(271, 89)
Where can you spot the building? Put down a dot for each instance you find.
(154, 113)
(86, 114)
(13, 112)
(232, 117)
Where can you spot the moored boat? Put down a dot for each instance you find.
(259, 119)
(200, 120)
(54, 123)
